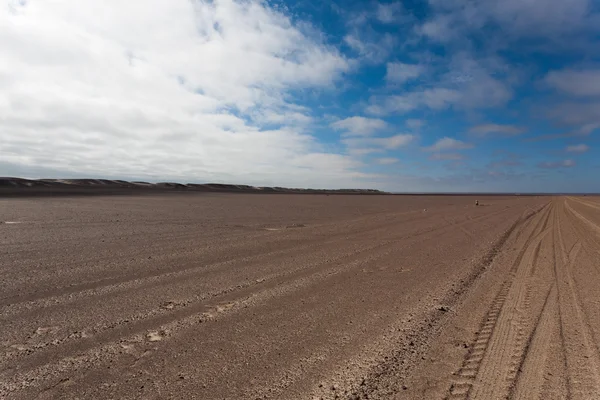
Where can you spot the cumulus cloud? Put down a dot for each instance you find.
(557, 164)
(553, 20)
(587, 129)
(466, 84)
(447, 156)
(386, 161)
(415, 123)
(361, 151)
(396, 141)
(508, 160)
(448, 144)
(575, 82)
(487, 129)
(371, 145)
(582, 106)
(435, 98)
(169, 89)
(585, 116)
(577, 148)
(359, 126)
(398, 72)
(370, 47)
(390, 13)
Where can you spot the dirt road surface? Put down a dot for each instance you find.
(218, 296)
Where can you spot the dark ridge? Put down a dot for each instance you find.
(19, 187)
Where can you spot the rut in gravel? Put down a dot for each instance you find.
(300, 297)
(539, 339)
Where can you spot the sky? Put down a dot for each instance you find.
(406, 96)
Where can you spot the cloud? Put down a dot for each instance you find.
(391, 13)
(466, 84)
(557, 164)
(585, 115)
(448, 144)
(414, 123)
(398, 72)
(362, 151)
(584, 130)
(577, 148)
(396, 141)
(447, 156)
(386, 161)
(540, 17)
(359, 126)
(371, 47)
(487, 129)
(440, 28)
(582, 83)
(101, 92)
(587, 129)
(436, 99)
(509, 160)
(551, 20)
(371, 145)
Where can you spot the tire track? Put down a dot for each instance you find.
(148, 283)
(595, 228)
(530, 380)
(197, 304)
(589, 240)
(499, 365)
(189, 315)
(582, 355)
(586, 203)
(105, 286)
(491, 364)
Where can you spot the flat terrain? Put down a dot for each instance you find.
(237, 296)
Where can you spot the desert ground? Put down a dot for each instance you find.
(299, 296)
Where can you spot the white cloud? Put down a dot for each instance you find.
(552, 20)
(578, 148)
(396, 141)
(539, 17)
(398, 72)
(390, 13)
(584, 115)
(447, 156)
(575, 82)
(467, 84)
(371, 48)
(167, 89)
(440, 28)
(361, 151)
(487, 129)
(386, 161)
(447, 144)
(436, 99)
(370, 145)
(393, 104)
(557, 164)
(588, 129)
(359, 126)
(414, 123)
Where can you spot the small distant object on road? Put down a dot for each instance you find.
(476, 202)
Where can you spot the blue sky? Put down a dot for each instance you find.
(469, 95)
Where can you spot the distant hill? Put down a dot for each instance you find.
(10, 186)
